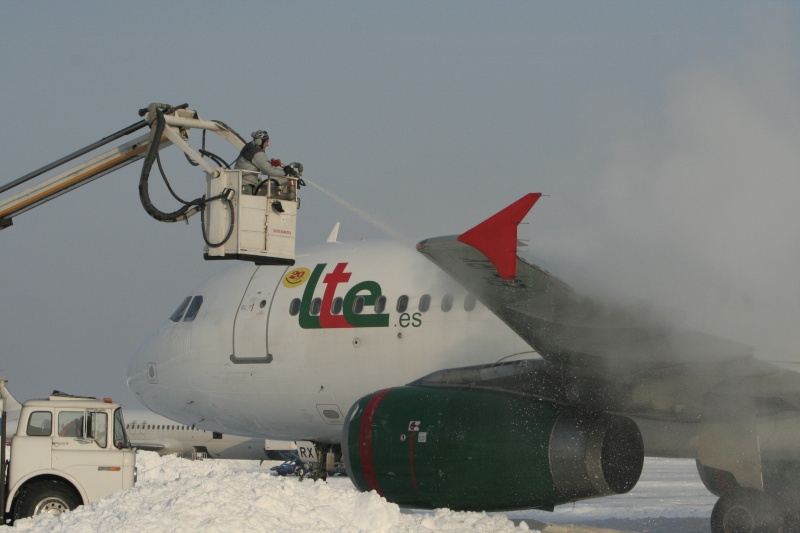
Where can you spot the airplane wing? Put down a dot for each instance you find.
(603, 352)
(612, 386)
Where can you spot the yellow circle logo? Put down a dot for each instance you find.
(296, 277)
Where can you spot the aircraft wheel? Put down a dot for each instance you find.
(52, 497)
(747, 511)
(300, 471)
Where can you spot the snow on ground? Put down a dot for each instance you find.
(180, 495)
(669, 498)
(223, 496)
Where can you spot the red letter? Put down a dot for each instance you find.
(326, 319)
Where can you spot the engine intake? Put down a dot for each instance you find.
(469, 449)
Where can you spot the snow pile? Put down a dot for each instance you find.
(181, 495)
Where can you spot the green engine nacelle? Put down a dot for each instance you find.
(469, 449)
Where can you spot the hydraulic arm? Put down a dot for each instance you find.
(73, 178)
(258, 227)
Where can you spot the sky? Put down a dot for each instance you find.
(663, 134)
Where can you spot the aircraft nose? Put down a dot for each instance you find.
(149, 368)
(142, 369)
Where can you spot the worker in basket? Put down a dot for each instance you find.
(253, 161)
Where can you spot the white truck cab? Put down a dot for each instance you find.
(67, 451)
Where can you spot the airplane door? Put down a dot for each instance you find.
(250, 343)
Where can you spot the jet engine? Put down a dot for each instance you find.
(473, 449)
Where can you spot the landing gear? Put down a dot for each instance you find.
(319, 470)
(326, 464)
(752, 511)
(749, 510)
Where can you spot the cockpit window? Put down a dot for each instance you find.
(194, 307)
(176, 316)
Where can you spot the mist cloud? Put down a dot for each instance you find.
(695, 209)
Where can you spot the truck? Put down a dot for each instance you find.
(67, 451)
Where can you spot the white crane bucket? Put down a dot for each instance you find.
(259, 228)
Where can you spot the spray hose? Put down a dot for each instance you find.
(189, 208)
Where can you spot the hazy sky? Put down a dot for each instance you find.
(666, 134)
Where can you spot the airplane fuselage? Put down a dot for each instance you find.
(283, 352)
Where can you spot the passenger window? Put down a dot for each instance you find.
(176, 316)
(447, 302)
(336, 307)
(316, 305)
(469, 303)
(194, 307)
(402, 304)
(425, 303)
(40, 424)
(380, 304)
(294, 307)
(358, 305)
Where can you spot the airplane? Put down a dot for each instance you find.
(461, 375)
(151, 432)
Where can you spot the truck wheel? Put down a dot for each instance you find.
(53, 497)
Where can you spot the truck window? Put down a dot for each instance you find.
(120, 437)
(70, 423)
(40, 424)
(97, 428)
